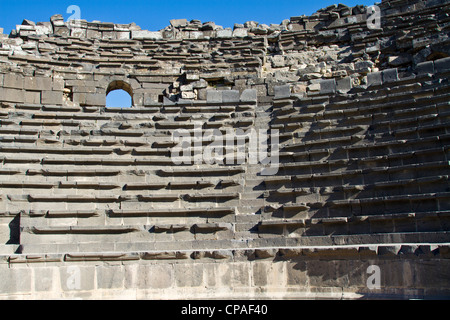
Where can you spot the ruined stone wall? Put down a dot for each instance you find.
(92, 192)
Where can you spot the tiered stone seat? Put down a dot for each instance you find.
(363, 121)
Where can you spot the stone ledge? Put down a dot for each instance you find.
(358, 252)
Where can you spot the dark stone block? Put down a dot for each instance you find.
(282, 91)
(442, 65)
(374, 79)
(390, 75)
(425, 67)
(230, 96)
(328, 86)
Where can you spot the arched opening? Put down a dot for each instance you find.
(119, 94)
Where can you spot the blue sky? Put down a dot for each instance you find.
(155, 15)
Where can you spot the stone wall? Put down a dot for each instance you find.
(91, 194)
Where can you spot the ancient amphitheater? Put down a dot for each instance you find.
(358, 128)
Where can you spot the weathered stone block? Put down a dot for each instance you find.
(95, 99)
(144, 34)
(249, 95)
(214, 96)
(188, 275)
(75, 278)
(12, 95)
(93, 34)
(44, 279)
(187, 95)
(32, 97)
(282, 92)
(61, 31)
(12, 80)
(240, 33)
(123, 35)
(51, 97)
(390, 75)
(425, 67)
(110, 277)
(38, 84)
(176, 23)
(78, 32)
(199, 84)
(328, 86)
(226, 33)
(442, 65)
(154, 276)
(229, 96)
(374, 79)
(344, 85)
(296, 273)
(15, 280)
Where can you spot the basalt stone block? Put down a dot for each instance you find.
(38, 83)
(11, 80)
(144, 34)
(230, 96)
(282, 92)
(249, 95)
(328, 86)
(51, 98)
(442, 65)
(344, 85)
(374, 79)
(94, 99)
(214, 96)
(226, 33)
(425, 67)
(33, 97)
(390, 75)
(12, 95)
